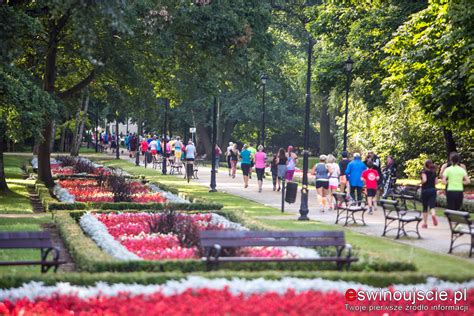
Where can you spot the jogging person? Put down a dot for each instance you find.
(370, 177)
(334, 173)
(428, 192)
(291, 165)
(177, 149)
(342, 167)
(281, 162)
(260, 159)
(455, 177)
(228, 155)
(246, 163)
(234, 157)
(321, 175)
(354, 172)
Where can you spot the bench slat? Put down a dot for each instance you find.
(268, 242)
(269, 234)
(27, 263)
(25, 243)
(25, 235)
(259, 259)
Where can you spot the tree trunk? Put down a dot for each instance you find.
(227, 133)
(205, 145)
(3, 180)
(62, 140)
(325, 137)
(80, 120)
(44, 154)
(449, 140)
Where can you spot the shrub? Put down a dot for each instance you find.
(177, 224)
(84, 166)
(67, 160)
(414, 166)
(121, 189)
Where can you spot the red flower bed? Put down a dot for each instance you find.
(215, 302)
(89, 191)
(133, 231)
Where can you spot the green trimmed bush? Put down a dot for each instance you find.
(86, 256)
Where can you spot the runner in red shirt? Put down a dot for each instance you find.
(370, 177)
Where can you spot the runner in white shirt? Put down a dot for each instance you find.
(154, 147)
(227, 154)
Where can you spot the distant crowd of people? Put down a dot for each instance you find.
(351, 176)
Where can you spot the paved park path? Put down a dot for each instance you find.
(436, 239)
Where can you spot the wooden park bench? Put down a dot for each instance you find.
(347, 211)
(401, 217)
(213, 243)
(460, 224)
(31, 240)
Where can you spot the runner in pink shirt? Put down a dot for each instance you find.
(260, 159)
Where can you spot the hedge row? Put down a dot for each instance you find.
(376, 279)
(51, 204)
(89, 257)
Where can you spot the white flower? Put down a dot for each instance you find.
(236, 286)
(99, 233)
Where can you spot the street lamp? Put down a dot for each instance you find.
(163, 169)
(304, 189)
(348, 66)
(264, 79)
(213, 153)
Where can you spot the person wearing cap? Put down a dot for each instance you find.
(291, 164)
(342, 166)
(321, 174)
(228, 154)
(354, 173)
(177, 149)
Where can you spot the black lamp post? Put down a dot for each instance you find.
(97, 130)
(213, 154)
(348, 67)
(264, 79)
(163, 169)
(304, 189)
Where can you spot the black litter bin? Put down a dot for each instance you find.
(291, 189)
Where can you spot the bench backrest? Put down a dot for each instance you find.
(457, 217)
(15, 240)
(228, 238)
(340, 198)
(389, 206)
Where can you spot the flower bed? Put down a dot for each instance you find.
(202, 296)
(85, 190)
(150, 236)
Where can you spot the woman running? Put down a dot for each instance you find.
(334, 173)
(428, 192)
(321, 173)
(282, 161)
(291, 165)
(455, 177)
(274, 170)
(260, 157)
(246, 163)
(234, 156)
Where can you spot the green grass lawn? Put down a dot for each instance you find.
(16, 200)
(368, 247)
(21, 224)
